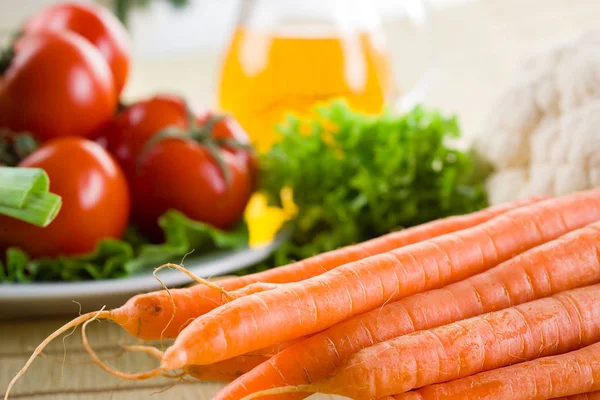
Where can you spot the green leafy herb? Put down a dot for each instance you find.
(24, 195)
(355, 177)
(120, 258)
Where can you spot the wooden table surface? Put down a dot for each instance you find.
(479, 44)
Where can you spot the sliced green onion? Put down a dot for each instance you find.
(24, 195)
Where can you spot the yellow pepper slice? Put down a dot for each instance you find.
(264, 220)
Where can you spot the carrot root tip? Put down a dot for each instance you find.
(173, 359)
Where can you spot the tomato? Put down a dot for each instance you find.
(96, 24)
(227, 127)
(57, 84)
(181, 174)
(95, 196)
(125, 136)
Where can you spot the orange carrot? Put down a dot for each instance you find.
(417, 396)
(545, 378)
(565, 263)
(228, 370)
(147, 315)
(299, 309)
(165, 313)
(553, 325)
(583, 396)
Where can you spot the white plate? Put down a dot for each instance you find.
(58, 298)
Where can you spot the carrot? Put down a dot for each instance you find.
(583, 396)
(227, 370)
(163, 314)
(552, 325)
(545, 378)
(299, 309)
(565, 263)
(224, 371)
(147, 316)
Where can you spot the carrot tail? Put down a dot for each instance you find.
(123, 375)
(569, 374)
(70, 325)
(211, 285)
(224, 371)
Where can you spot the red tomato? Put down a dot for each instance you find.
(95, 198)
(229, 128)
(125, 136)
(57, 84)
(96, 24)
(181, 174)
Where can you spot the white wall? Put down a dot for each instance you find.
(161, 30)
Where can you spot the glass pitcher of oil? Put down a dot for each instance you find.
(288, 55)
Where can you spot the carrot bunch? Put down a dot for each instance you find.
(503, 303)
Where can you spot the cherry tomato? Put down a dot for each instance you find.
(181, 174)
(57, 84)
(125, 136)
(95, 198)
(96, 24)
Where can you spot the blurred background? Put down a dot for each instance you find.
(478, 42)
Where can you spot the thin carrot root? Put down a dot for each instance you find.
(226, 295)
(123, 375)
(153, 351)
(72, 324)
(150, 350)
(61, 360)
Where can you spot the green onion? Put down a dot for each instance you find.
(24, 195)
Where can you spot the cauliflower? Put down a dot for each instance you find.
(543, 134)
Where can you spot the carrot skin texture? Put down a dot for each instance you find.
(417, 396)
(553, 325)
(146, 316)
(569, 374)
(565, 263)
(299, 309)
(583, 396)
(226, 370)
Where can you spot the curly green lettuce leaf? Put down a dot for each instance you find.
(120, 258)
(355, 177)
(182, 235)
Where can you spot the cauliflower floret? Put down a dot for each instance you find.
(543, 134)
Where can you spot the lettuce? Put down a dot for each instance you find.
(355, 177)
(120, 258)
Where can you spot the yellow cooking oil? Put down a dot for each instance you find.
(266, 75)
